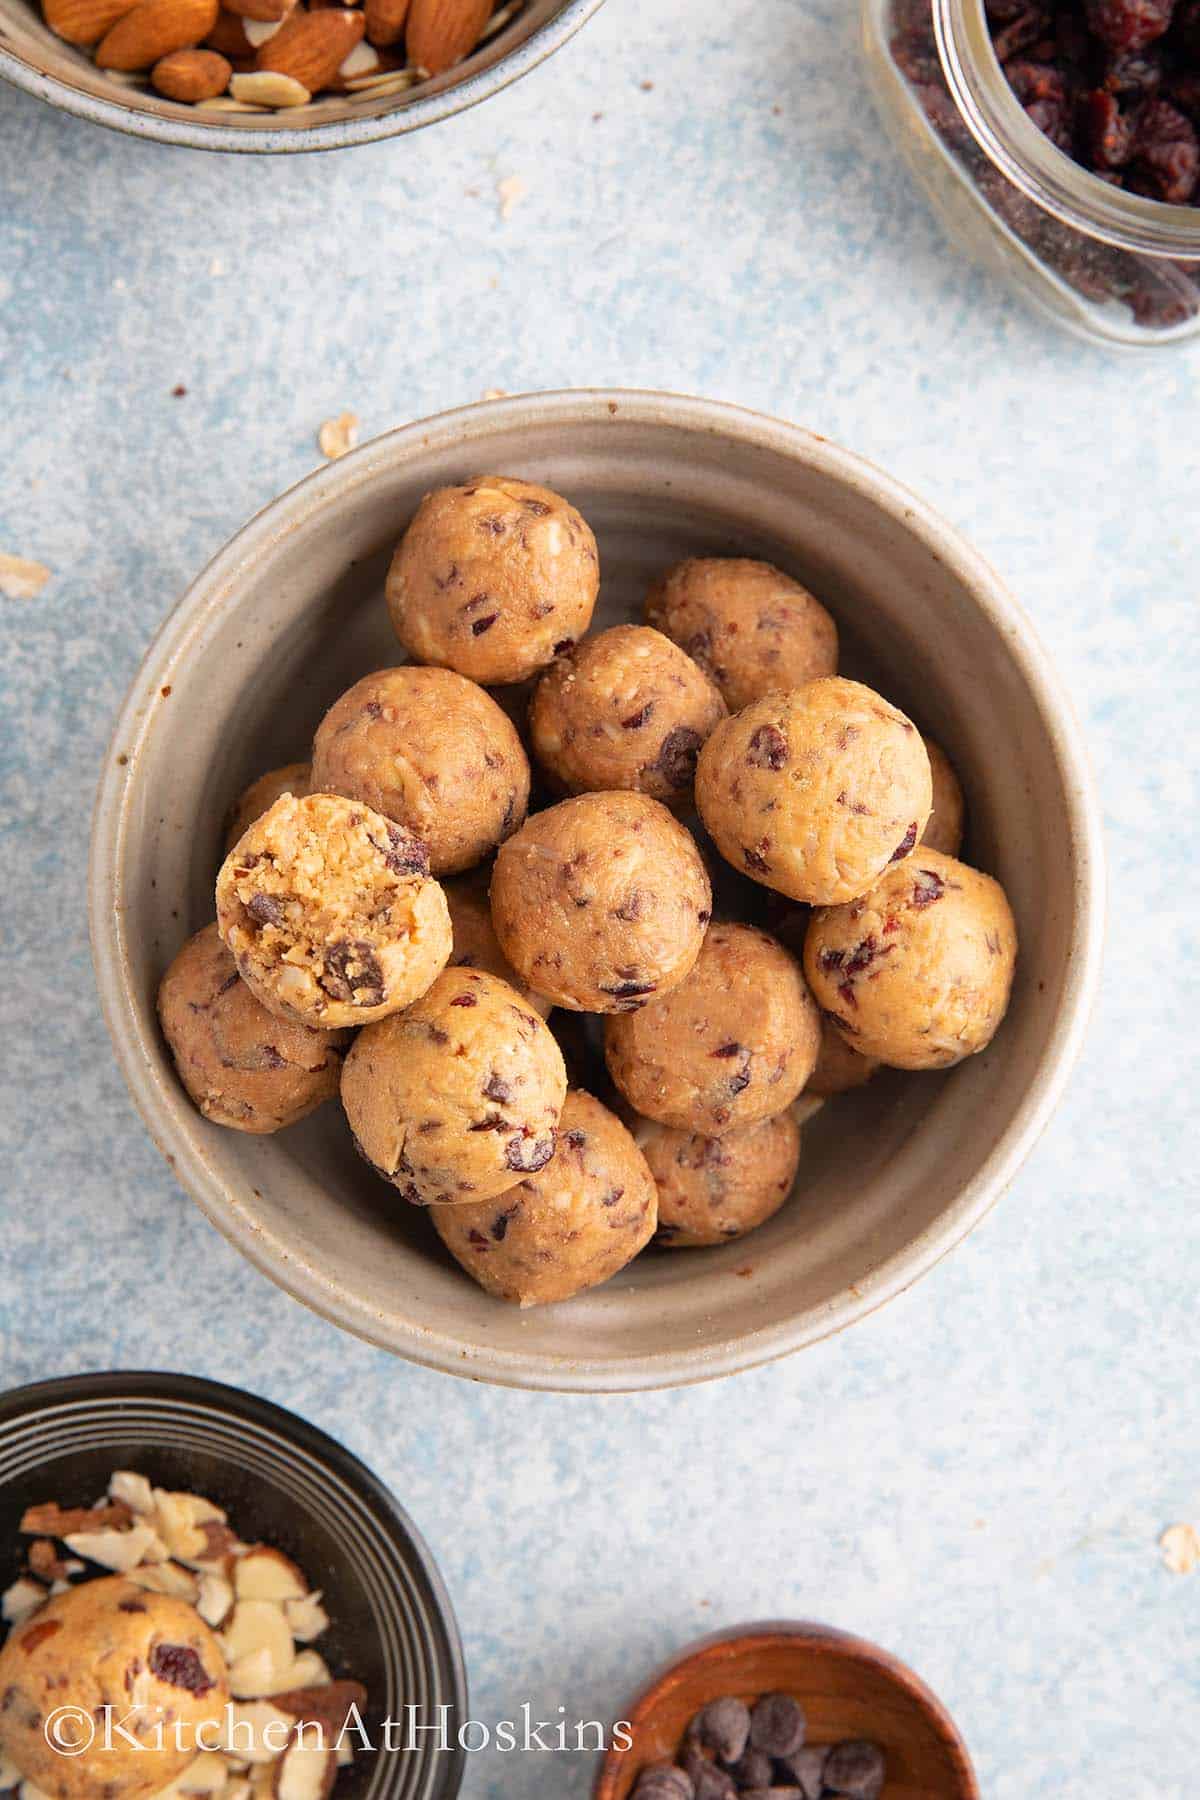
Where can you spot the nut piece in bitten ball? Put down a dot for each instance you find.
(814, 792)
(493, 578)
(748, 625)
(458, 1097)
(626, 709)
(839, 1068)
(476, 945)
(261, 795)
(574, 1225)
(733, 1043)
(110, 1644)
(330, 912)
(713, 1189)
(944, 831)
(918, 971)
(243, 1066)
(431, 751)
(601, 901)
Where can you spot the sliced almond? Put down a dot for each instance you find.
(266, 87)
(29, 1790)
(120, 1551)
(260, 31)
(47, 1564)
(152, 30)
(267, 1574)
(206, 1775)
(439, 33)
(257, 1731)
(167, 1578)
(10, 1775)
(258, 1649)
(307, 1770)
(310, 1671)
(238, 1790)
(306, 1618)
(132, 1490)
(214, 1602)
(328, 1706)
(20, 1601)
(311, 47)
(262, 1780)
(52, 1520)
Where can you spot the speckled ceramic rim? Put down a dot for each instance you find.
(738, 1640)
(418, 1634)
(337, 134)
(334, 487)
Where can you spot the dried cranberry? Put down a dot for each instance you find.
(1108, 131)
(1166, 154)
(1128, 24)
(179, 1666)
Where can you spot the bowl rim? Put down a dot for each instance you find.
(765, 1632)
(333, 134)
(460, 428)
(24, 1403)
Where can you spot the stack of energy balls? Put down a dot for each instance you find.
(401, 887)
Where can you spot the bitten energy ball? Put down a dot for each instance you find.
(748, 625)
(493, 578)
(944, 831)
(261, 795)
(330, 912)
(601, 902)
(476, 945)
(732, 1044)
(458, 1097)
(243, 1066)
(839, 1068)
(713, 1189)
(431, 751)
(574, 1225)
(626, 709)
(917, 972)
(109, 1643)
(814, 792)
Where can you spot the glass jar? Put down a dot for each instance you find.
(1109, 264)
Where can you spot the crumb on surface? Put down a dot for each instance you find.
(1180, 1546)
(21, 578)
(510, 192)
(337, 436)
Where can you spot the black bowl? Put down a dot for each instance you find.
(283, 1483)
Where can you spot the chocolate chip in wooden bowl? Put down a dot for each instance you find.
(663, 1781)
(806, 1767)
(855, 1770)
(723, 1727)
(777, 1725)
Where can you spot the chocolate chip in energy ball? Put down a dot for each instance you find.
(777, 1725)
(723, 1726)
(855, 1770)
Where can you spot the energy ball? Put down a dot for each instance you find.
(476, 945)
(109, 1643)
(261, 795)
(458, 1097)
(330, 912)
(814, 792)
(574, 1225)
(431, 751)
(626, 709)
(493, 578)
(916, 973)
(711, 1190)
(748, 625)
(734, 1043)
(944, 831)
(243, 1066)
(839, 1068)
(601, 902)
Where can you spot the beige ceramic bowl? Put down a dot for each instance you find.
(34, 59)
(292, 612)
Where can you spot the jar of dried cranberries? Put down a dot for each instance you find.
(1060, 139)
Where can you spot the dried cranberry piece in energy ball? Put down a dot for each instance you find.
(855, 1770)
(1128, 24)
(723, 1726)
(777, 1725)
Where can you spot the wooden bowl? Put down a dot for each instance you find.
(847, 1687)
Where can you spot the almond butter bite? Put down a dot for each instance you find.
(712, 1190)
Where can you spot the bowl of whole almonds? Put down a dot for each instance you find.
(275, 75)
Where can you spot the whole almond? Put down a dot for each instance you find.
(385, 21)
(311, 47)
(152, 30)
(228, 37)
(261, 9)
(440, 33)
(191, 75)
(84, 22)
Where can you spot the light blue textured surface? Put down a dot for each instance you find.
(976, 1477)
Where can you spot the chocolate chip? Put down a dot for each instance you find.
(729, 1049)
(563, 644)
(500, 1224)
(711, 1783)
(777, 1725)
(753, 1770)
(723, 1727)
(265, 909)
(352, 970)
(477, 1240)
(856, 1770)
(479, 626)
(906, 843)
(497, 1089)
(493, 526)
(806, 1767)
(662, 1781)
(767, 748)
(575, 1140)
(491, 1122)
(677, 756)
(637, 719)
(179, 1666)
(526, 1155)
(632, 907)
(538, 508)
(405, 854)
(928, 888)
